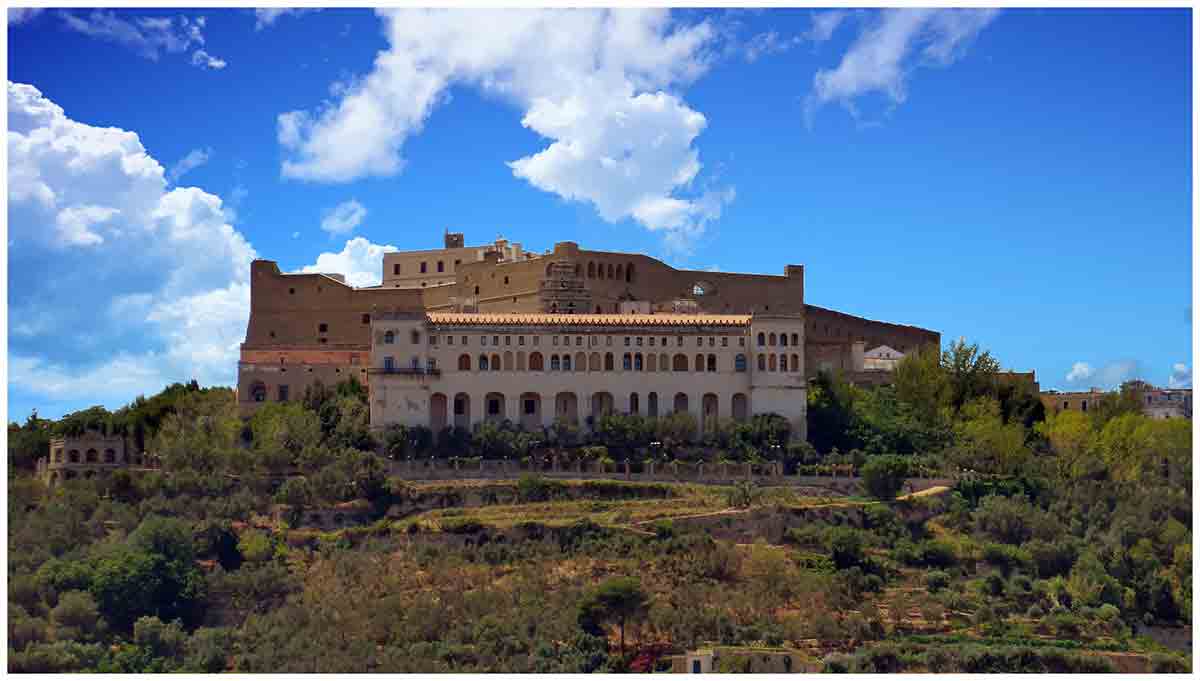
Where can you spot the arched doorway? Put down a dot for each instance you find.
(708, 411)
(740, 407)
(531, 411)
(681, 400)
(437, 412)
(462, 410)
(493, 407)
(652, 405)
(602, 404)
(566, 407)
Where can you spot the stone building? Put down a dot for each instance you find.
(440, 369)
(1157, 403)
(309, 327)
(85, 456)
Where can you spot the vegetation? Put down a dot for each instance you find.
(1061, 540)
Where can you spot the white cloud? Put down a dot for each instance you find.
(20, 15)
(1181, 376)
(360, 261)
(206, 61)
(194, 159)
(147, 36)
(600, 86)
(135, 265)
(264, 17)
(769, 43)
(885, 54)
(1111, 375)
(824, 24)
(1080, 371)
(344, 217)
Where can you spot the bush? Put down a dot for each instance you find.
(845, 547)
(883, 476)
(533, 488)
(936, 581)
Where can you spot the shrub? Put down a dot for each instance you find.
(936, 581)
(883, 476)
(533, 488)
(845, 547)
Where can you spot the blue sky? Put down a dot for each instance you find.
(1021, 178)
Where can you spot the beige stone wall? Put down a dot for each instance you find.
(422, 269)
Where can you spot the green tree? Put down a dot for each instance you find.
(618, 600)
(971, 372)
(883, 476)
(1073, 441)
(76, 617)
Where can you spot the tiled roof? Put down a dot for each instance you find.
(544, 319)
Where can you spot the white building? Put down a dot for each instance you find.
(460, 369)
(882, 358)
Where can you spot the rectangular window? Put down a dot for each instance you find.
(651, 341)
(711, 341)
(323, 327)
(520, 340)
(508, 340)
(578, 341)
(626, 341)
(464, 340)
(679, 341)
(354, 358)
(639, 341)
(422, 268)
(699, 342)
(483, 341)
(724, 341)
(608, 341)
(283, 393)
(496, 341)
(742, 342)
(554, 340)
(433, 340)
(535, 340)
(389, 363)
(396, 268)
(449, 340)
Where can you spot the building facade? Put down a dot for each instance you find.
(460, 369)
(85, 456)
(309, 327)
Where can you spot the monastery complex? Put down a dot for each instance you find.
(462, 335)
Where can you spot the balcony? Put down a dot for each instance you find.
(406, 371)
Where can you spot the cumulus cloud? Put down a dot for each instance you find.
(20, 15)
(600, 86)
(130, 263)
(1111, 375)
(360, 261)
(824, 24)
(344, 217)
(1181, 376)
(147, 36)
(194, 159)
(888, 50)
(206, 61)
(264, 17)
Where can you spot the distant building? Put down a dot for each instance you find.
(883, 358)
(1055, 401)
(85, 456)
(1156, 403)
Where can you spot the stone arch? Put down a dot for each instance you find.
(462, 410)
(531, 411)
(594, 362)
(58, 456)
(536, 363)
(602, 404)
(508, 360)
(740, 407)
(581, 362)
(681, 402)
(783, 362)
(652, 405)
(71, 475)
(437, 412)
(89, 474)
(53, 478)
(566, 407)
(494, 407)
(92, 456)
(709, 411)
(627, 362)
(679, 362)
(464, 362)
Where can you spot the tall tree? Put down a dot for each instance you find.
(618, 600)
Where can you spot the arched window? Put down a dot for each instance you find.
(508, 360)
(566, 362)
(679, 362)
(652, 405)
(652, 362)
(464, 362)
(495, 362)
(762, 339)
(795, 362)
(783, 339)
(712, 362)
(389, 338)
(483, 362)
(73, 455)
(664, 362)
(637, 362)
(441, 266)
(608, 361)
(610, 271)
(535, 362)
(782, 362)
(771, 340)
(555, 363)
(795, 339)
(92, 456)
(762, 362)
(699, 363)
(772, 363)
(110, 456)
(594, 362)
(739, 363)
(633, 402)
(591, 270)
(627, 362)
(620, 272)
(629, 273)
(520, 360)
(258, 392)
